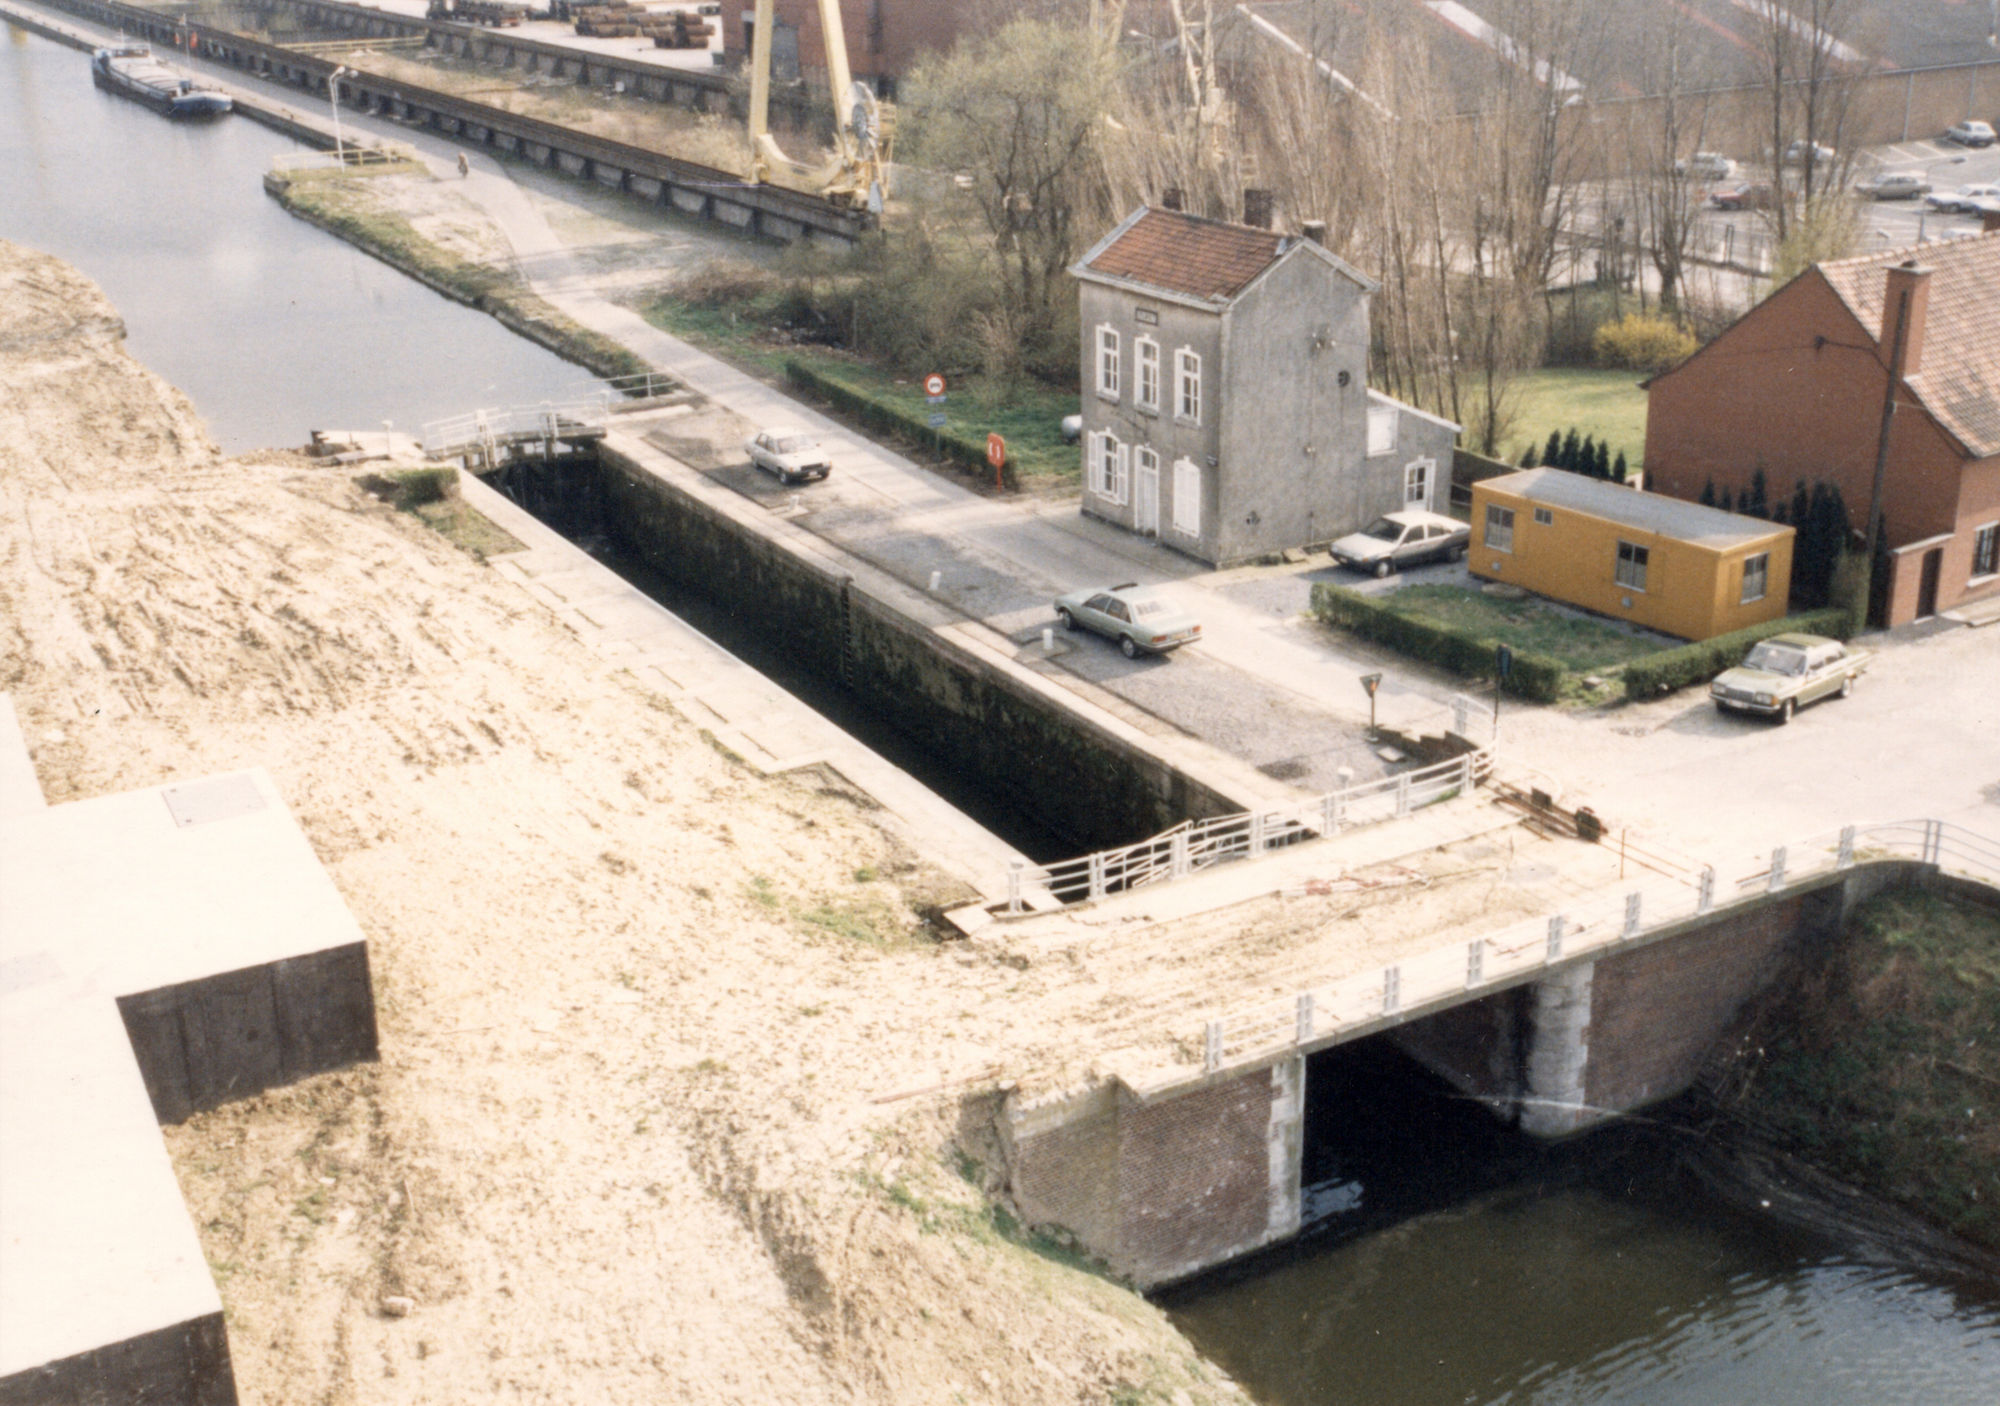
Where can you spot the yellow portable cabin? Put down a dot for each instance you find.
(1665, 563)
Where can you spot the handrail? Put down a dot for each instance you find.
(1600, 922)
(548, 420)
(1194, 845)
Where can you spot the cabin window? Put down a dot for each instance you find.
(1756, 577)
(1499, 528)
(1631, 570)
(1544, 518)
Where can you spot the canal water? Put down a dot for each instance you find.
(272, 327)
(1453, 1263)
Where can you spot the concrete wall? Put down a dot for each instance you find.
(1161, 1190)
(1090, 787)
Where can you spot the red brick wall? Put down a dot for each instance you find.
(1474, 1047)
(1656, 1012)
(1194, 1177)
(1796, 389)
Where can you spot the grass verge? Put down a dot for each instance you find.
(357, 213)
(1606, 405)
(1528, 626)
(1883, 1065)
(1026, 413)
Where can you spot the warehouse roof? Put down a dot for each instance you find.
(1647, 512)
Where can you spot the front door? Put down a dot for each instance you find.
(1146, 497)
(1927, 584)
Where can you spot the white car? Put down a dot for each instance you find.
(1964, 200)
(792, 455)
(1706, 166)
(1396, 540)
(1970, 133)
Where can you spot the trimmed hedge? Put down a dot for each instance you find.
(1535, 677)
(881, 415)
(1704, 659)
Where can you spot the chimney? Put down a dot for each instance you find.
(1257, 208)
(1172, 199)
(1315, 230)
(1913, 279)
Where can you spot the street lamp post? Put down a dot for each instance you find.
(333, 101)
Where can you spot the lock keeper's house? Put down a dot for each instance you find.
(1226, 408)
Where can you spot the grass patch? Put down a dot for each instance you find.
(1883, 1065)
(1529, 626)
(873, 924)
(1026, 413)
(1606, 405)
(466, 528)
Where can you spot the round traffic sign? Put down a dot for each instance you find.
(996, 450)
(933, 384)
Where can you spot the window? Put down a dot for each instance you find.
(1107, 362)
(1631, 570)
(1106, 466)
(1381, 430)
(1187, 386)
(1119, 472)
(1187, 497)
(1499, 528)
(1544, 518)
(1146, 352)
(1417, 483)
(1756, 577)
(1986, 550)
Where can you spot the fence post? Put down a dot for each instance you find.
(1305, 1018)
(1256, 833)
(1557, 924)
(1461, 716)
(1329, 813)
(1846, 856)
(1014, 886)
(1403, 795)
(1211, 1047)
(1178, 848)
(1777, 869)
(1392, 989)
(1097, 874)
(1475, 962)
(1465, 774)
(1632, 913)
(1934, 842)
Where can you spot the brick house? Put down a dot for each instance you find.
(1796, 388)
(1226, 409)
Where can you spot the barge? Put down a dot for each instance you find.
(130, 70)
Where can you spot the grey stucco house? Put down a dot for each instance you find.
(1226, 409)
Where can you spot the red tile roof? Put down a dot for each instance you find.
(1184, 254)
(1959, 379)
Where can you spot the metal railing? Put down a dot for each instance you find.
(351, 156)
(485, 430)
(1599, 923)
(1195, 845)
(640, 385)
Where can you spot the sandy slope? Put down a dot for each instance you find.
(638, 1005)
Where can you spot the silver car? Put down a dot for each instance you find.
(1782, 674)
(1396, 540)
(1139, 620)
(792, 455)
(1894, 185)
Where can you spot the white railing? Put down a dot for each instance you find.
(1601, 922)
(349, 157)
(1194, 845)
(484, 429)
(640, 385)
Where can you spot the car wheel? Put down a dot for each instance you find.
(1457, 553)
(1847, 687)
(1068, 620)
(1785, 711)
(1381, 569)
(1128, 647)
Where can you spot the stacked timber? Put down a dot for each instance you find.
(497, 14)
(679, 30)
(616, 19)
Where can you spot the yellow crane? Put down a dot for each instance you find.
(863, 126)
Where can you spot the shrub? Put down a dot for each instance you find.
(1535, 677)
(1643, 343)
(1704, 659)
(882, 415)
(412, 488)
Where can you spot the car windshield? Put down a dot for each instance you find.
(793, 444)
(1383, 530)
(1776, 659)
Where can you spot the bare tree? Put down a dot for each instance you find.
(1805, 65)
(1667, 194)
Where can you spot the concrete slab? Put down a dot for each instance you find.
(164, 951)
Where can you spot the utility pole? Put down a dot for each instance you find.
(1882, 445)
(333, 101)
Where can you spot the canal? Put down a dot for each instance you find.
(272, 327)
(1453, 1263)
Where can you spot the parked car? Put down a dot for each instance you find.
(1964, 200)
(1795, 154)
(790, 454)
(1970, 133)
(1782, 674)
(1141, 621)
(1744, 195)
(1397, 540)
(1706, 166)
(1894, 185)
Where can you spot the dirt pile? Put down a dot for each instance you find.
(669, 1103)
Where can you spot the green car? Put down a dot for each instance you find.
(1782, 674)
(1140, 621)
